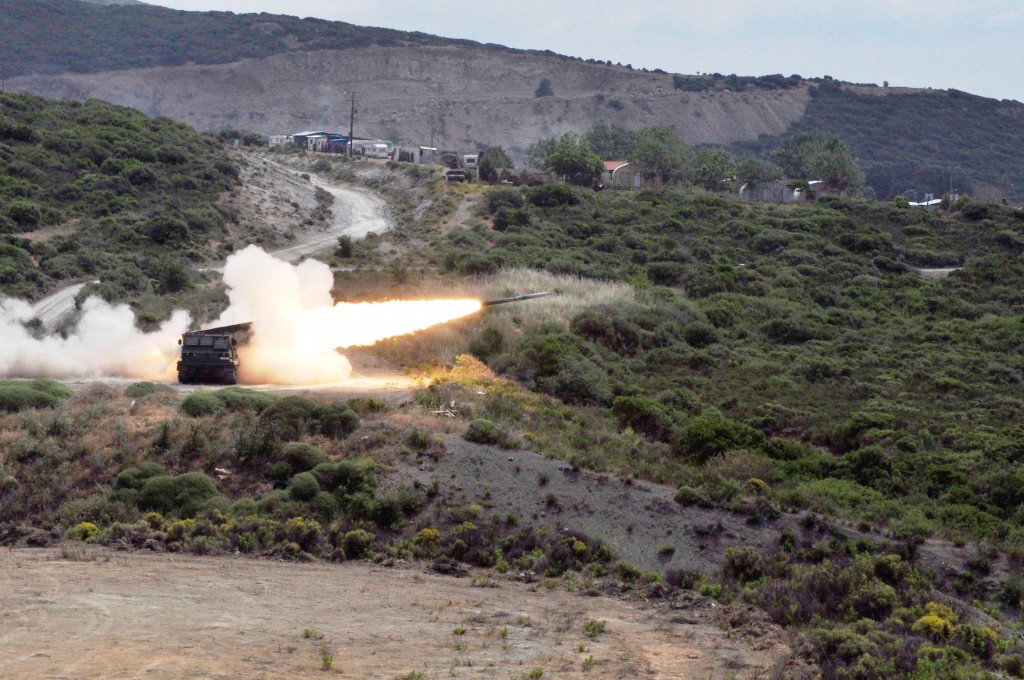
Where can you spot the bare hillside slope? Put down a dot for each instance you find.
(463, 97)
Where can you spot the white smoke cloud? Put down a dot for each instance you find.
(105, 342)
(274, 295)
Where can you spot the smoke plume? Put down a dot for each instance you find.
(105, 342)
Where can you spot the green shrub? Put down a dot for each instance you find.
(335, 420)
(302, 457)
(346, 477)
(98, 509)
(357, 544)
(700, 335)
(241, 399)
(295, 416)
(179, 496)
(140, 389)
(304, 487)
(201, 404)
(291, 416)
(131, 480)
(687, 495)
(483, 431)
(579, 381)
(83, 531)
(741, 565)
(643, 415)
(16, 395)
(703, 437)
(551, 195)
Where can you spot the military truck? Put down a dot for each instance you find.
(211, 355)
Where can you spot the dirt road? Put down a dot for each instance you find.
(52, 308)
(356, 212)
(121, 615)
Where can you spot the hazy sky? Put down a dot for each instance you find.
(973, 46)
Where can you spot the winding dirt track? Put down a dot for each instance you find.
(123, 615)
(52, 308)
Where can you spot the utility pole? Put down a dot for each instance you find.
(351, 123)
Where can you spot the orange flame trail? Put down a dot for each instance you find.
(365, 323)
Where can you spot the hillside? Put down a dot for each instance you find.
(95, 190)
(277, 74)
(766, 405)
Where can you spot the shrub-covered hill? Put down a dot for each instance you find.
(129, 197)
(56, 36)
(803, 335)
(922, 142)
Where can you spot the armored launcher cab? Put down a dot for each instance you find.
(211, 355)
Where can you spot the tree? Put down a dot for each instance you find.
(660, 153)
(544, 89)
(538, 152)
(711, 166)
(815, 155)
(574, 159)
(493, 159)
(837, 167)
(612, 142)
(752, 169)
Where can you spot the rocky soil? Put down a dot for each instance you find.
(90, 613)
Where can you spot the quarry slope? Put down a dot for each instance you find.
(454, 96)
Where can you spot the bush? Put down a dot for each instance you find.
(140, 389)
(201, 404)
(304, 487)
(291, 417)
(643, 415)
(741, 565)
(16, 395)
(687, 495)
(552, 195)
(295, 416)
(700, 335)
(357, 544)
(83, 531)
(98, 509)
(703, 437)
(181, 496)
(302, 457)
(241, 399)
(579, 381)
(482, 431)
(346, 478)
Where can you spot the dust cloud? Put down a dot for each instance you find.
(104, 343)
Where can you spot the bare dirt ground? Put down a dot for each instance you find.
(122, 615)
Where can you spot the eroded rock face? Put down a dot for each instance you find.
(462, 96)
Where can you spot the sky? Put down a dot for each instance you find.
(972, 46)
